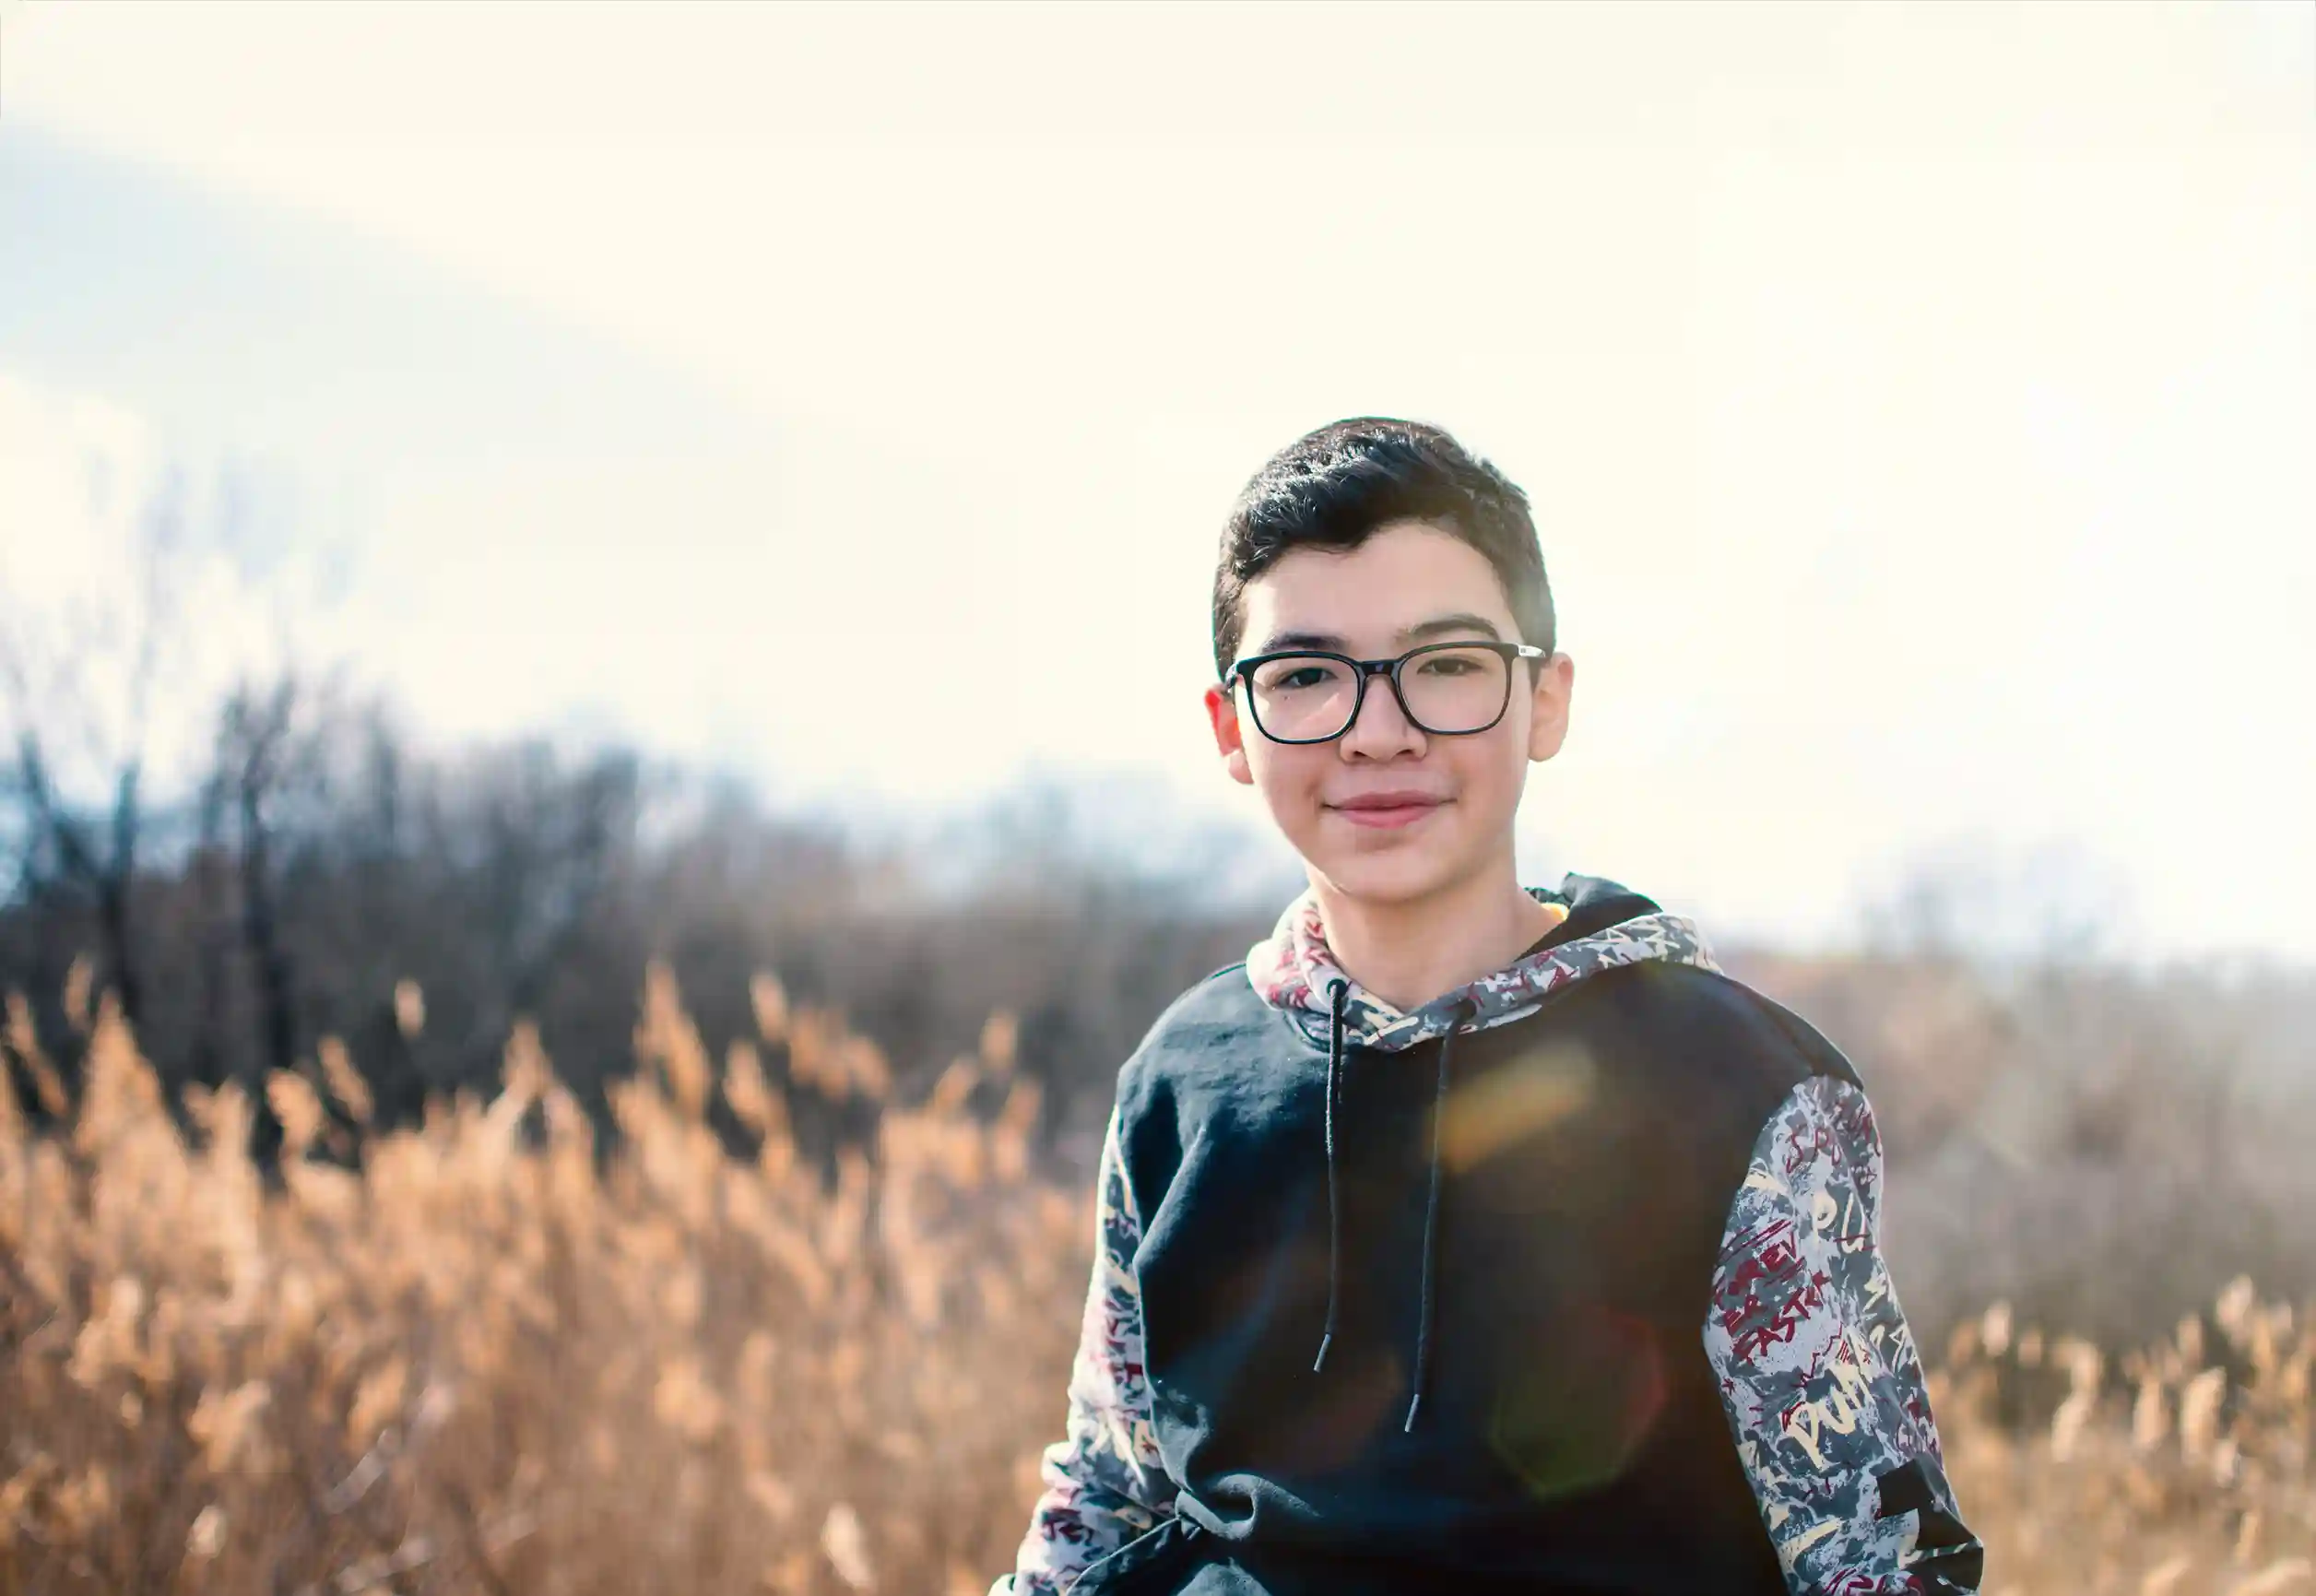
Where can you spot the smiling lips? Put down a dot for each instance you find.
(1385, 809)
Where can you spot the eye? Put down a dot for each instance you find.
(1298, 676)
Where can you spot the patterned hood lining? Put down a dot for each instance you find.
(1293, 969)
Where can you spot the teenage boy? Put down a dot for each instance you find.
(1469, 1237)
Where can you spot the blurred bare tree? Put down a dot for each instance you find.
(78, 696)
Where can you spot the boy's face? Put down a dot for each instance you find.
(1460, 793)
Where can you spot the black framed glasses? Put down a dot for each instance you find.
(1443, 689)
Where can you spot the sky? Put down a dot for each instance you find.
(1917, 401)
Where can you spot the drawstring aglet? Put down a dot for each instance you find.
(1319, 1362)
(1409, 1428)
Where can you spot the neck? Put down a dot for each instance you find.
(1409, 952)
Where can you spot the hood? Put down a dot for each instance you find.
(1603, 926)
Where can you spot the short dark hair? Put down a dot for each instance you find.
(1330, 489)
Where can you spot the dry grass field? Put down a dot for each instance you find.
(491, 1360)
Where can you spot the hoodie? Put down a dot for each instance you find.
(1568, 1280)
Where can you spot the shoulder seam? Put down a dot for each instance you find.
(1818, 1051)
(1174, 1006)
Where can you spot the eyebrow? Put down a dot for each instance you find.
(1423, 630)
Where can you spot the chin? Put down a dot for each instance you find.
(1398, 877)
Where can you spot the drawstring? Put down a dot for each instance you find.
(1340, 991)
(1431, 1225)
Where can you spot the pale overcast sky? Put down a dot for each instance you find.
(1919, 402)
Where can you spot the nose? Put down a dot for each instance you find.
(1381, 728)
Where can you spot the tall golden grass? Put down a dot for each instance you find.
(2177, 1470)
(494, 1361)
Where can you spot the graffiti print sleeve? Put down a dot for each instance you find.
(1818, 1370)
(1104, 1482)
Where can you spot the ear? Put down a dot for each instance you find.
(1222, 713)
(1548, 712)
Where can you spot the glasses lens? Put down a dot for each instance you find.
(1300, 697)
(1455, 690)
